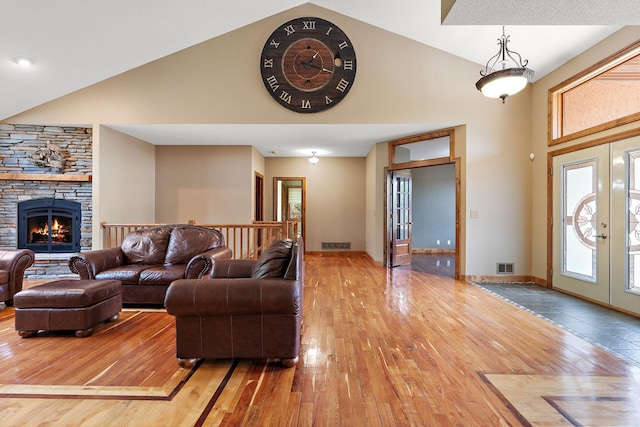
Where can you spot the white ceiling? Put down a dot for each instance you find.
(76, 43)
(543, 12)
(344, 140)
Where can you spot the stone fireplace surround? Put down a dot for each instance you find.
(18, 144)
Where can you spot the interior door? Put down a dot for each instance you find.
(401, 218)
(581, 240)
(289, 195)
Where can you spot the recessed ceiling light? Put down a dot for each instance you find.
(23, 61)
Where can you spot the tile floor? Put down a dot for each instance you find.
(616, 332)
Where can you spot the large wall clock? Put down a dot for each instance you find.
(308, 65)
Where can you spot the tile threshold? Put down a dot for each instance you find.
(529, 296)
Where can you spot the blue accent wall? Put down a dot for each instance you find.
(434, 207)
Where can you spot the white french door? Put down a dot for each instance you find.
(625, 201)
(581, 223)
(596, 217)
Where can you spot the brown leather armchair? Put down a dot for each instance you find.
(149, 259)
(247, 309)
(13, 263)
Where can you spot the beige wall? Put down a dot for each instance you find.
(124, 172)
(374, 207)
(398, 81)
(540, 148)
(208, 184)
(335, 197)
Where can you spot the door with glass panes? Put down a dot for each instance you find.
(596, 217)
(401, 218)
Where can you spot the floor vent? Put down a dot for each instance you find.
(336, 245)
(504, 268)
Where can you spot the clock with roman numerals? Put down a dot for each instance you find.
(308, 65)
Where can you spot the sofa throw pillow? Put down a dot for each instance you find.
(274, 261)
(146, 246)
(187, 242)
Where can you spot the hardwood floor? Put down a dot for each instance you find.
(435, 264)
(386, 347)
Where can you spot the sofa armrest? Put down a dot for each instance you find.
(15, 262)
(223, 297)
(88, 264)
(232, 268)
(201, 265)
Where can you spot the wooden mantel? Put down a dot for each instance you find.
(45, 177)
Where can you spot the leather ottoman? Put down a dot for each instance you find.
(64, 305)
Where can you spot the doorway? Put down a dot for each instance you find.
(289, 201)
(423, 218)
(406, 156)
(259, 198)
(596, 223)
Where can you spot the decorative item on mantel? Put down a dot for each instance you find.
(50, 156)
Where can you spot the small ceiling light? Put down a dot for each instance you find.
(23, 61)
(313, 159)
(504, 75)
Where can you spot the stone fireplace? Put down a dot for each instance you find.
(30, 170)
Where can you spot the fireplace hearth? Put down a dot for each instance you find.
(49, 225)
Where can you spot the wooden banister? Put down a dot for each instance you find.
(247, 241)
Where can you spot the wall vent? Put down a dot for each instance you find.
(504, 268)
(336, 245)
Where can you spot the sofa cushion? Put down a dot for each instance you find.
(161, 274)
(274, 261)
(185, 243)
(127, 274)
(147, 246)
(4, 276)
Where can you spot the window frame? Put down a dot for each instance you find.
(423, 137)
(555, 108)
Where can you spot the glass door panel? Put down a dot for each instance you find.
(579, 213)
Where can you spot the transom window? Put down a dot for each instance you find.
(604, 96)
(426, 149)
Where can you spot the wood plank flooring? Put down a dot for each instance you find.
(380, 347)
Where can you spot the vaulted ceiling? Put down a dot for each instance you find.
(74, 44)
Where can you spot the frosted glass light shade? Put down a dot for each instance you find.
(23, 61)
(504, 83)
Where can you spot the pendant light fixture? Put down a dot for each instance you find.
(23, 61)
(313, 159)
(504, 75)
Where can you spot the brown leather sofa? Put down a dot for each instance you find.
(148, 260)
(13, 263)
(247, 309)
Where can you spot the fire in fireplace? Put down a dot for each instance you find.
(38, 230)
(49, 225)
